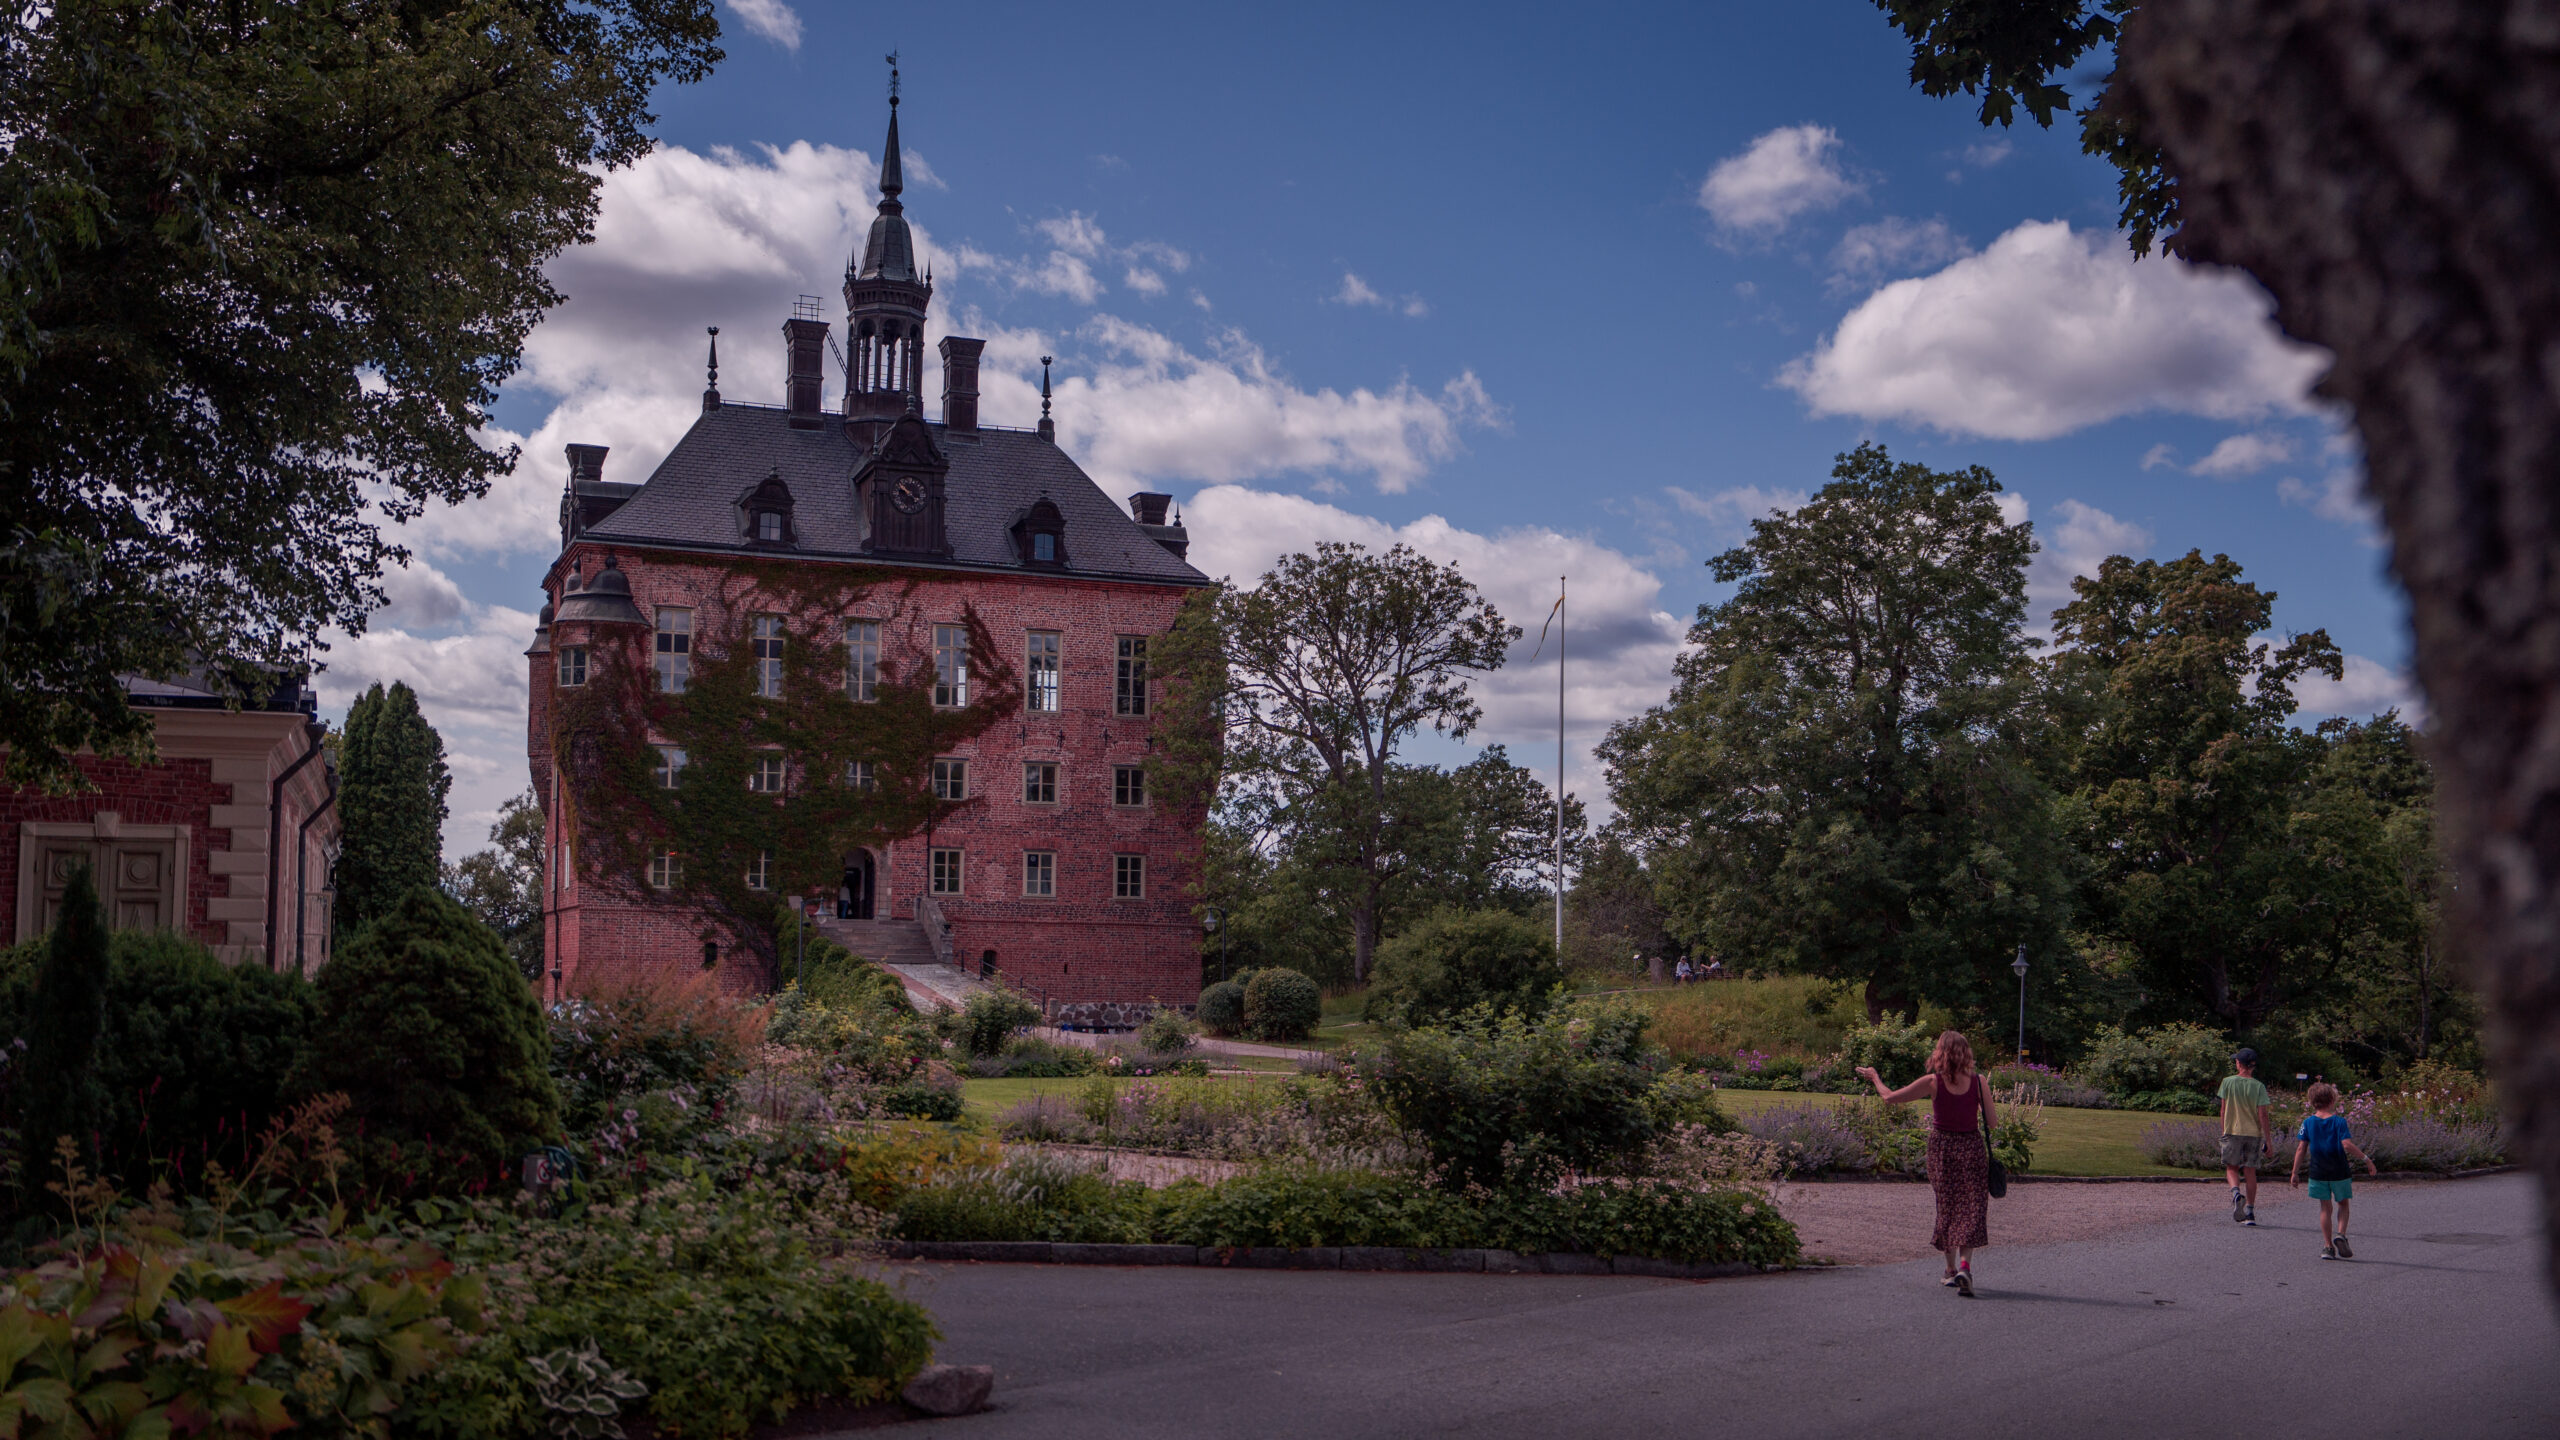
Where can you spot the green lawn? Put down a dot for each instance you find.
(2076, 1142)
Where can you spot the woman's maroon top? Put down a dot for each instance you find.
(1957, 1114)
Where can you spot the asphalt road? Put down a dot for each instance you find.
(2439, 1327)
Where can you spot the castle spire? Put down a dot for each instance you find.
(711, 389)
(890, 180)
(1048, 427)
(885, 299)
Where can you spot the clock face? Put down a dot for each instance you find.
(909, 495)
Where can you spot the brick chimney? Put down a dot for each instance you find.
(960, 383)
(805, 391)
(586, 463)
(1147, 508)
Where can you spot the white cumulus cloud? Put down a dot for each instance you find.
(2072, 543)
(771, 19)
(1870, 254)
(1783, 174)
(1356, 291)
(2368, 687)
(2244, 454)
(2051, 330)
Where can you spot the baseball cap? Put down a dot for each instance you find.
(2245, 1056)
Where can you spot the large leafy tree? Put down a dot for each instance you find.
(1303, 692)
(2382, 169)
(392, 784)
(266, 264)
(2210, 863)
(502, 885)
(1841, 782)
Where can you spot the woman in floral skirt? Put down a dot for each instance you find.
(1960, 1124)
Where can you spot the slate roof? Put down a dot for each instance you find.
(691, 499)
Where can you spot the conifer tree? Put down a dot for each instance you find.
(62, 1096)
(392, 783)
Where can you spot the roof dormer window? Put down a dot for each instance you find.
(764, 513)
(1040, 536)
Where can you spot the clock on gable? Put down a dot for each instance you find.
(899, 484)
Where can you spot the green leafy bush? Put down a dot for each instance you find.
(835, 976)
(1030, 1197)
(1455, 960)
(1513, 1102)
(166, 1319)
(1027, 1058)
(1898, 1052)
(2168, 1057)
(1281, 1004)
(1168, 1032)
(1302, 1205)
(189, 1062)
(427, 1027)
(726, 1306)
(629, 1036)
(1221, 1008)
(2172, 1102)
(921, 1099)
(987, 1023)
(1654, 1218)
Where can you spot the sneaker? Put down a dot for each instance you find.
(2344, 1252)
(2251, 1218)
(2239, 1206)
(1964, 1282)
(2328, 1252)
(1950, 1281)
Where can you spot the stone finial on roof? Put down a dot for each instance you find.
(1048, 427)
(711, 390)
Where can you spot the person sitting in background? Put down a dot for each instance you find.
(1682, 972)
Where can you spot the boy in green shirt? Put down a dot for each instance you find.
(2244, 1134)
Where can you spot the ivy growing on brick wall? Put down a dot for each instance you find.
(607, 733)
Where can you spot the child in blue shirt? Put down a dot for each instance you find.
(2326, 1141)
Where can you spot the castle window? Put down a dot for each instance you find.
(675, 648)
(950, 665)
(1129, 695)
(1128, 785)
(768, 646)
(766, 777)
(1039, 783)
(666, 870)
(1041, 693)
(862, 659)
(668, 768)
(764, 512)
(573, 666)
(950, 779)
(1040, 873)
(1128, 877)
(760, 871)
(942, 872)
(1040, 536)
(860, 775)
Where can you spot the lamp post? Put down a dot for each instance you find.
(1209, 919)
(2020, 965)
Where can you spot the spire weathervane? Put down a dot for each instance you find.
(711, 389)
(893, 77)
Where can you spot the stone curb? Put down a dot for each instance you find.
(1318, 1257)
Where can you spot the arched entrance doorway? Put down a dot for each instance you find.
(853, 897)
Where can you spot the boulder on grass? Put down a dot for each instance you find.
(950, 1389)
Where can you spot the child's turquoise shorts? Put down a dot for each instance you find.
(2333, 1189)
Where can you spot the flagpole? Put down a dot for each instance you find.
(1560, 627)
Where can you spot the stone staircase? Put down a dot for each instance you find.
(901, 948)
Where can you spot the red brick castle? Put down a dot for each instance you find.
(1068, 876)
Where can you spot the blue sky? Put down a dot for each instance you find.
(1538, 293)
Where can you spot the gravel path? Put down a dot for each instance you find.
(1882, 1222)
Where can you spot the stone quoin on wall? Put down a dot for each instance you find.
(1073, 877)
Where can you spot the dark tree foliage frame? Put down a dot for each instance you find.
(63, 1098)
(620, 816)
(266, 265)
(2391, 173)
